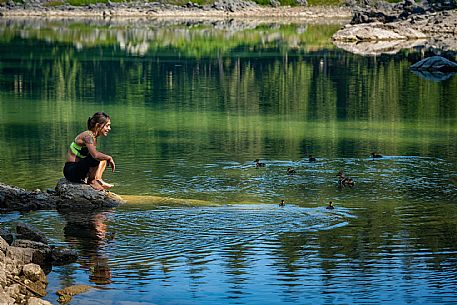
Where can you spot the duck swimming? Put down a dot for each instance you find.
(290, 170)
(375, 155)
(343, 180)
(258, 163)
(282, 203)
(330, 206)
(311, 159)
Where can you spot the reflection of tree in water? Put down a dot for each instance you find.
(87, 232)
(238, 259)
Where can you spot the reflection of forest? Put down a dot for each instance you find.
(323, 86)
(191, 37)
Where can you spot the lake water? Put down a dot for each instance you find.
(192, 105)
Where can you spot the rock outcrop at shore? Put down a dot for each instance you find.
(25, 252)
(30, 245)
(67, 195)
(406, 24)
(21, 282)
(145, 9)
(18, 199)
(24, 260)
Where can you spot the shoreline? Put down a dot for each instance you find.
(151, 11)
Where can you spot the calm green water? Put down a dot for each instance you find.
(192, 106)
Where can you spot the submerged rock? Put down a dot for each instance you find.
(79, 196)
(74, 290)
(66, 294)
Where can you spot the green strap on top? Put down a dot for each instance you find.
(76, 149)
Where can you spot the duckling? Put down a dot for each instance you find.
(311, 159)
(330, 206)
(258, 163)
(349, 182)
(343, 180)
(290, 171)
(375, 155)
(282, 203)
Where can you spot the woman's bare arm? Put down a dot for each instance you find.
(90, 144)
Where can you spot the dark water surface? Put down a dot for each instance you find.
(192, 105)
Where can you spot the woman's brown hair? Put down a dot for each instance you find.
(98, 118)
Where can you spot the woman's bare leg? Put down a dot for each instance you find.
(95, 176)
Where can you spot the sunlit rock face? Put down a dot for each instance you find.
(20, 280)
(377, 32)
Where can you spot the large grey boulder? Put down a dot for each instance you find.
(17, 199)
(25, 255)
(435, 63)
(79, 196)
(67, 195)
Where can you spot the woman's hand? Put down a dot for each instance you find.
(112, 164)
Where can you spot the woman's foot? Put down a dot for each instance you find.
(105, 184)
(95, 184)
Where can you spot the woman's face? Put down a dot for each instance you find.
(105, 129)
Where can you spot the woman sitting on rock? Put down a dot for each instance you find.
(84, 164)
